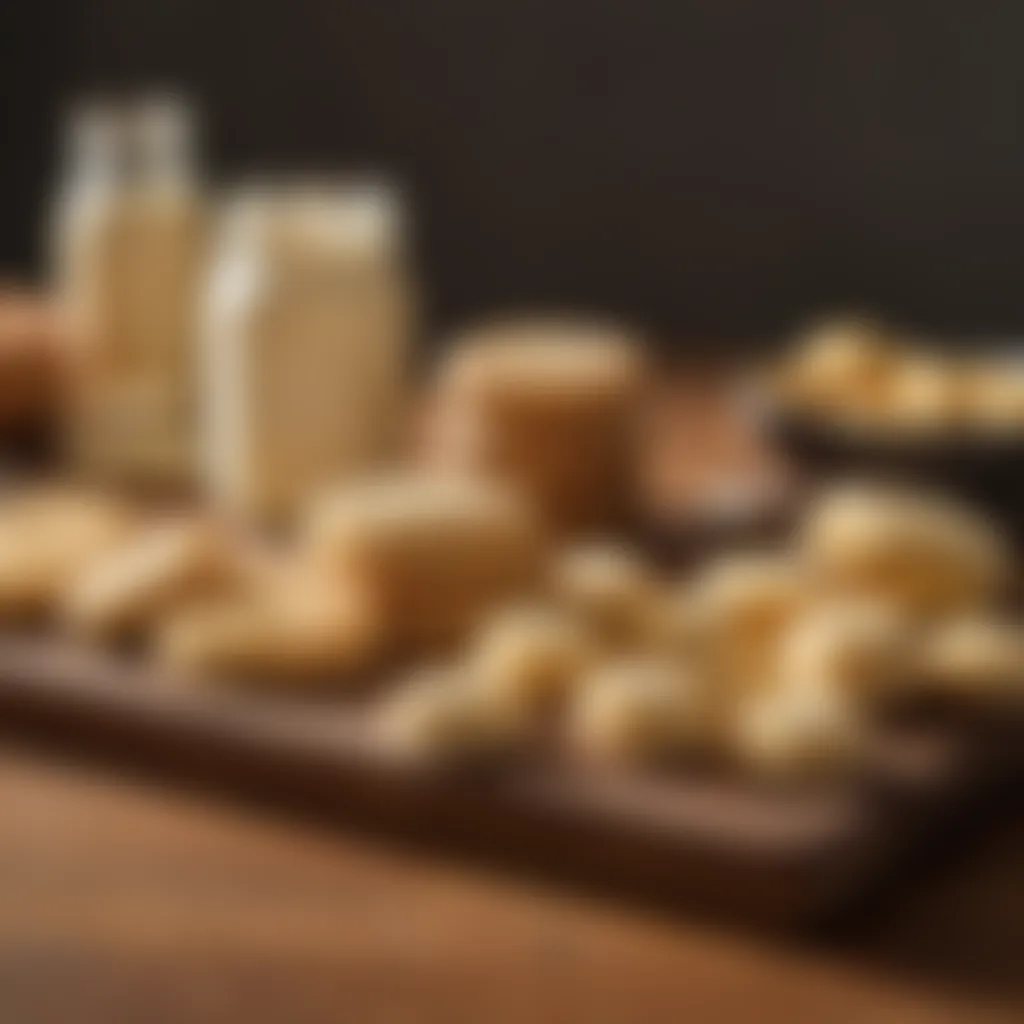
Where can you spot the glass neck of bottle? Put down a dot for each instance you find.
(113, 149)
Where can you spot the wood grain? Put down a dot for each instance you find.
(123, 902)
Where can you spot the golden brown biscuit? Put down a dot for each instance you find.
(860, 376)
(678, 624)
(524, 365)
(436, 555)
(531, 657)
(924, 398)
(611, 590)
(842, 365)
(974, 657)
(925, 556)
(293, 632)
(860, 647)
(640, 708)
(440, 715)
(991, 398)
(737, 609)
(549, 407)
(48, 537)
(161, 568)
(797, 732)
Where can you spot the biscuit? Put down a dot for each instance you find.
(797, 732)
(531, 657)
(48, 537)
(126, 590)
(521, 366)
(549, 407)
(859, 647)
(436, 555)
(738, 607)
(611, 591)
(924, 555)
(840, 362)
(973, 657)
(295, 632)
(637, 709)
(439, 715)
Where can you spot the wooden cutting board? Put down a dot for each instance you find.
(779, 858)
(713, 843)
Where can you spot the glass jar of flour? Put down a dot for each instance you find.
(128, 246)
(306, 334)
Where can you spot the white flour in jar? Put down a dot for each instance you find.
(306, 333)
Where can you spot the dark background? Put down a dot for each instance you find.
(712, 167)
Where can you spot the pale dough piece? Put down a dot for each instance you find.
(611, 590)
(440, 715)
(975, 658)
(858, 646)
(737, 609)
(859, 375)
(747, 595)
(437, 555)
(992, 397)
(925, 398)
(532, 657)
(163, 567)
(679, 624)
(47, 538)
(639, 708)
(926, 556)
(842, 367)
(798, 732)
(294, 630)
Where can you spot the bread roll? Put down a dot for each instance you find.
(436, 556)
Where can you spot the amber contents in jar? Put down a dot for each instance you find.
(550, 406)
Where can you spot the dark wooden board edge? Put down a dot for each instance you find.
(777, 861)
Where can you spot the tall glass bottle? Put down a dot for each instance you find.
(127, 248)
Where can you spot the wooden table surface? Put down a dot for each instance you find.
(124, 901)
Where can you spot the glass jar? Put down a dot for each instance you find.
(127, 248)
(306, 334)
